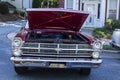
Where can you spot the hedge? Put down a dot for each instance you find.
(3, 8)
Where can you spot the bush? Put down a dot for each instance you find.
(112, 24)
(20, 13)
(108, 47)
(98, 33)
(107, 30)
(3, 8)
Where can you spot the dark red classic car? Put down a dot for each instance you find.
(53, 40)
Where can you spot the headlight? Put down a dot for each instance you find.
(97, 45)
(95, 55)
(17, 52)
(17, 42)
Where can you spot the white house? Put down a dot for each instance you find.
(100, 10)
(20, 4)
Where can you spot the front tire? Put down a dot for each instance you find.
(85, 71)
(21, 70)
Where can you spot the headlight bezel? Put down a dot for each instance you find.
(96, 55)
(17, 42)
(97, 45)
(17, 52)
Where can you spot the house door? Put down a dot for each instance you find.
(94, 9)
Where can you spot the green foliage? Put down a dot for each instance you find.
(20, 13)
(108, 47)
(98, 33)
(112, 24)
(3, 8)
(45, 3)
(107, 30)
(36, 3)
(54, 3)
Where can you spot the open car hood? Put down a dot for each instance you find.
(59, 19)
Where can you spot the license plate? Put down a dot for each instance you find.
(57, 65)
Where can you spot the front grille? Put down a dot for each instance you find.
(68, 46)
(48, 46)
(57, 50)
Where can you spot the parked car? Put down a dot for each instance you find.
(115, 40)
(53, 39)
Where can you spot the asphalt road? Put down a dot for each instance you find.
(109, 70)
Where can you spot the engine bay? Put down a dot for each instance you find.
(55, 38)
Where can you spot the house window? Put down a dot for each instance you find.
(69, 4)
(98, 16)
(82, 6)
(112, 9)
(112, 14)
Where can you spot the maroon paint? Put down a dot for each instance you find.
(62, 19)
(55, 22)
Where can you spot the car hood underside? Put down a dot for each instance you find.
(59, 19)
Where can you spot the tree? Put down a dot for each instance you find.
(36, 3)
(45, 3)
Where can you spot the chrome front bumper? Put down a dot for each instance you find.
(51, 63)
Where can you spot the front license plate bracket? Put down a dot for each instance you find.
(57, 65)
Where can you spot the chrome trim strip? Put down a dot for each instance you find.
(63, 56)
(60, 48)
(94, 61)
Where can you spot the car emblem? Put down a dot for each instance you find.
(58, 49)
